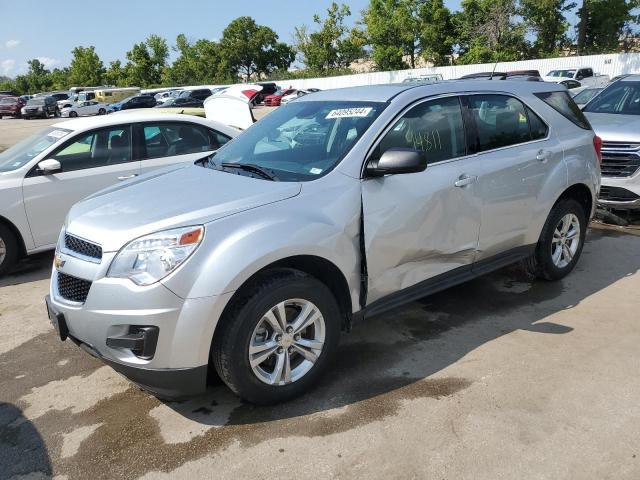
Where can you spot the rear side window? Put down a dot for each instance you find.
(500, 121)
(435, 128)
(170, 139)
(538, 128)
(562, 103)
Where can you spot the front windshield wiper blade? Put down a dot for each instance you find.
(250, 167)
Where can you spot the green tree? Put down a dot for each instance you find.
(147, 62)
(86, 67)
(436, 32)
(249, 50)
(333, 46)
(603, 23)
(488, 31)
(393, 31)
(37, 78)
(546, 19)
(60, 79)
(197, 63)
(115, 74)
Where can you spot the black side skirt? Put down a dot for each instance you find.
(444, 281)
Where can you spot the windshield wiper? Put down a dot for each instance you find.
(250, 167)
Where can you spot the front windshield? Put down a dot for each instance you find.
(8, 100)
(23, 152)
(561, 73)
(302, 140)
(36, 101)
(620, 97)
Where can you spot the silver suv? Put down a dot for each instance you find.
(341, 205)
(615, 116)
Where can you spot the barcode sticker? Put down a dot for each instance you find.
(349, 112)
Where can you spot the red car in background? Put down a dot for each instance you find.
(275, 99)
(11, 106)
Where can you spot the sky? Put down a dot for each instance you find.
(49, 30)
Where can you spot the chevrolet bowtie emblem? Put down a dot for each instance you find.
(58, 262)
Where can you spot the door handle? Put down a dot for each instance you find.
(543, 155)
(127, 177)
(465, 180)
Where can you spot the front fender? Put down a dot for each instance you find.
(321, 222)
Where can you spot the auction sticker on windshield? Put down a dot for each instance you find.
(58, 134)
(349, 112)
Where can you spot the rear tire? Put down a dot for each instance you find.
(8, 249)
(246, 325)
(560, 243)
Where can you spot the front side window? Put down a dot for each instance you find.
(99, 148)
(500, 121)
(435, 128)
(168, 139)
(302, 141)
(24, 151)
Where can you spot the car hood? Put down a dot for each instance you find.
(613, 127)
(170, 198)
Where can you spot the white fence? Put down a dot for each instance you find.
(612, 65)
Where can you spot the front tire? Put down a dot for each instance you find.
(277, 338)
(73, 114)
(8, 249)
(560, 243)
(102, 111)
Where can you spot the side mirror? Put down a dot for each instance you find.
(49, 166)
(397, 160)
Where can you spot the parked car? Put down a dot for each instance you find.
(187, 102)
(165, 96)
(69, 102)
(615, 117)
(333, 209)
(267, 88)
(45, 174)
(584, 96)
(11, 106)
(274, 99)
(136, 101)
(577, 77)
(298, 93)
(84, 109)
(41, 106)
(200, 94)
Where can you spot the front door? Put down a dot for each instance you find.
(90, 162)
(420, 225)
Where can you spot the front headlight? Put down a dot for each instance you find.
(149, 259)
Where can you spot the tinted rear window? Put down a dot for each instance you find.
(562, 103)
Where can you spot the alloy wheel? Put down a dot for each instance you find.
(287, 342)
(3, 250)
(566, 240)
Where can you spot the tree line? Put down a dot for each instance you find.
(392, 34)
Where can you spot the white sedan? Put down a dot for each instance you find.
(44, 175)
(84, 109)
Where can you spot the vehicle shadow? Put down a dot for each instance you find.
(391, 357)
(29, 269)
(22, 449)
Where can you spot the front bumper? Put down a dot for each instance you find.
(113, 308)
(620, 193)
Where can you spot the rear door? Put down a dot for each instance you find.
(167, 143)
(421, 225)
(515, 155)
(90, 162)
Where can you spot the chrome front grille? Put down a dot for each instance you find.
(620, 159)
(72, 288)
(82, 247)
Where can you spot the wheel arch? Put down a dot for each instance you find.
(9, 224)
(320, 268)
(580, 193)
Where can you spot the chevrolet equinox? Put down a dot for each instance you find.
(338, 206)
